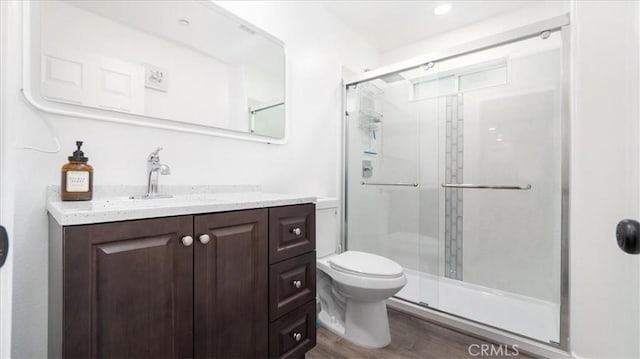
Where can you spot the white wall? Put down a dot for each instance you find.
(317, 48)
(541, 10)
(604, 186)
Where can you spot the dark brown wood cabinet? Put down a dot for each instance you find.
(128, 289)
(186, 286)
(231, 300)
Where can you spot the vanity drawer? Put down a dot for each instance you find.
(291, 284)
(292, 231)
(294, 334)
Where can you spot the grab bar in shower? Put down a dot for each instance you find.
(403, 184)
(524, 187)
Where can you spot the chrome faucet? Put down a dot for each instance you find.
(154, 169)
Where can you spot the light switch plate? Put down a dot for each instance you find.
(156, 78)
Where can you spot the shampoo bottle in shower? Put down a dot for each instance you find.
(77, 178)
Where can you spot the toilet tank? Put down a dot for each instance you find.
(327, 226)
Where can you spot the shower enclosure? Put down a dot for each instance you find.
(454, 169)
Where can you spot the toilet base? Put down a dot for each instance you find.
(367, 324)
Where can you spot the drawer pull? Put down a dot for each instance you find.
(297, 336)
(297, 283)
(187, 241)
(204, 238)
(296, 231)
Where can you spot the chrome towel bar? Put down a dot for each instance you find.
(524, 187)
(403, 184)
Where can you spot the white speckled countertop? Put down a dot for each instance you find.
(112, 203)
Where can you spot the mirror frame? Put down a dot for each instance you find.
(142, 120)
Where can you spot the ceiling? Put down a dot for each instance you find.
(391, 24)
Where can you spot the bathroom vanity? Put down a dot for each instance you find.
(202, 274)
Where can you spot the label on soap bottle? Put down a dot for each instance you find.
(77, 181)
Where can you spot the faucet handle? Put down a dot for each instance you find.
(154, 157)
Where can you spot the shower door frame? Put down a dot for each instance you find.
(555, 24)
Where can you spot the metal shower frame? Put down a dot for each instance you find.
(542, 28)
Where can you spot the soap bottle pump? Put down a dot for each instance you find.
(77, 177)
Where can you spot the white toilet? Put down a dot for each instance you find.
(353, 286)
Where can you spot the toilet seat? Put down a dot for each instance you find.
(350, 277)
(366, 265)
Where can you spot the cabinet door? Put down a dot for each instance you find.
(128, 289)
(230, 278)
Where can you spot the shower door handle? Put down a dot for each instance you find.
(401, 184)
(627, 236)
(524, 187)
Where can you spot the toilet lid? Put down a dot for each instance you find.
(367, 264)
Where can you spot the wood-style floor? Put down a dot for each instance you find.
(410, 338)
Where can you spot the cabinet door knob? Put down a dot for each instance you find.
(297, 336)
(187, 241)
(296, 231)
(204, 238)
(297, 283)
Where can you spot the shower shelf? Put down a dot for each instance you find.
(370, 119)
(370, 106)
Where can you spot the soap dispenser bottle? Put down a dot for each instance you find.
(77, 178)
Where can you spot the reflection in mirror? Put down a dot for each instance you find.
(266, 120)
(184, 61)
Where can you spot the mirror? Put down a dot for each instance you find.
(173, 64)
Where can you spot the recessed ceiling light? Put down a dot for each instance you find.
(184, 22)
(442, 9)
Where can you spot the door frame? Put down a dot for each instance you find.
(6, 272)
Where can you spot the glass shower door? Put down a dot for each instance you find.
(383, 204)
(500, 188)
(454, 170)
